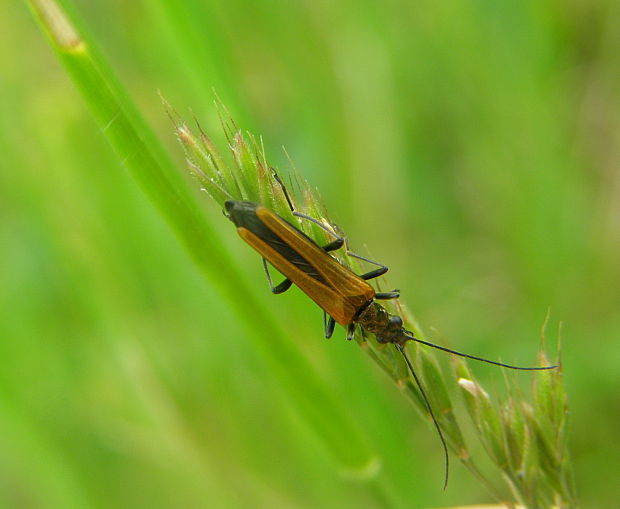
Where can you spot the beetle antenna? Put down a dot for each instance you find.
(410, 335)
(401, 349)
(283, 187)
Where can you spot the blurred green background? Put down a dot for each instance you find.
(473, 146)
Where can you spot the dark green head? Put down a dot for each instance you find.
(241, 213)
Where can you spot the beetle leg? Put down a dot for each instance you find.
(373, 273)
(394, 294)
(336, 244)
(350, 331)
(282, 287)
(332, 246)
(328, 325)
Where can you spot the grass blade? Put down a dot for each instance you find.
(150, 166)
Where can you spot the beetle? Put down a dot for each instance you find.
(345, 297)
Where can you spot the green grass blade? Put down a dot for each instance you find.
(148, 163)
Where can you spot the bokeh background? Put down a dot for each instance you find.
(472, 146)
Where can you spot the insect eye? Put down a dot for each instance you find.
(396, 321)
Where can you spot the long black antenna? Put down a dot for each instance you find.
(430, 411)
(283, 187)
(409, 335)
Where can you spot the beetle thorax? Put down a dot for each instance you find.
(386, 327)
